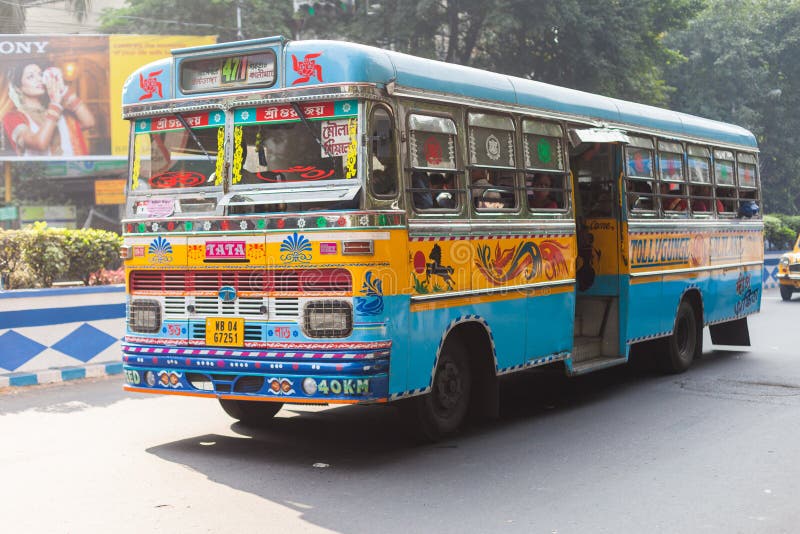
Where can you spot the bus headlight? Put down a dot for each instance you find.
(328, 318)
(309, 386)
(144, 316)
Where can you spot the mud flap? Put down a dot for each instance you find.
(730, 333)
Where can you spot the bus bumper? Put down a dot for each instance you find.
(290, 376)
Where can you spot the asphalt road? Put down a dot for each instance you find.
(623, 451)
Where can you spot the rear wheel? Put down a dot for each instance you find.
(685, 343)
(252, 413)
(443, 410)
(786, 292)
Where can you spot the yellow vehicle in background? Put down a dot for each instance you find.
(789, 272)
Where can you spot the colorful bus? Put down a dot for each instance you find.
(323, 222)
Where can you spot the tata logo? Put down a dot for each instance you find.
(227, 294)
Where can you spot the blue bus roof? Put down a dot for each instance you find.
(319, 62)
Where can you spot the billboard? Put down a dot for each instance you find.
(60, 95)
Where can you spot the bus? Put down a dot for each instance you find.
(322, 222)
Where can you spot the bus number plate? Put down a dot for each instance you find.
(225, 332)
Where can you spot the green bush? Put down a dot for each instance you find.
(90, 250)
(45, 252)
(12, 243)
(40, 255)
(781, 230)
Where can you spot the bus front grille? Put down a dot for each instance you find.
(312, 280)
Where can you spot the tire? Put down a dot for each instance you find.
(251, 413)
(786, 292)
(686, 342)
(442, 411)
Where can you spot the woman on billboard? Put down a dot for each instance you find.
(49, 119)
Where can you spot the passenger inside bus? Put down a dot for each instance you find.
(440, 186)
(640, 196)
(486, 198)
(670, 201)
(702, 200)
(540, 193)
(421, 187)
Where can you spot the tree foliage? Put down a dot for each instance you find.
(743, 66)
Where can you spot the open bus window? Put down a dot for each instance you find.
(492, 189)
(727, 201)
(640, 197)
(433, 190)
(383, 156)
(591, 166)
(167, 156)
(545, 191)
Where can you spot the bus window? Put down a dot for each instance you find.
(545, 176)
(640, 185)
(641, 197)
(747, 181)
(491, 156)
(701, 194)
(383, 157)
(591, 166)
(725, 185)
(672, 187)
(432, 147)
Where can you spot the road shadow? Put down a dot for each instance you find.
(359, 468)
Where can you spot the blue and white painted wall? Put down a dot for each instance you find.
(51, 335)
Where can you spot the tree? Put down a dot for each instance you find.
(260, 18)
(12, 14)
(743, 66)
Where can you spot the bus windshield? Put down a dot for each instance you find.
(174, 168)
(274, 144)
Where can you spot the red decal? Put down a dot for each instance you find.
(150, 85)
(283, 112)
(433, 151)
(172, 123)
(167, 180)
(306, 172)
(307, 68)
(283, 332)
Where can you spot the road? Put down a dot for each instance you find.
(623, 451)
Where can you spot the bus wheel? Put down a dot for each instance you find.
(786, 292)
(442, 411)
(252, 413)
(685, 343)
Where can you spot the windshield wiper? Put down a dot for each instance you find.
(307, 124)
(196, 140)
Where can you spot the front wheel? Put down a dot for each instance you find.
(786, 292)
(251, 413)
(685, 343)
(442, 411)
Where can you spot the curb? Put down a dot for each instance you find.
(59, 374)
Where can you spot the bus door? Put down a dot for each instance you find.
(595, 168)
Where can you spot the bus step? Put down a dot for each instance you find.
(595, 364)
(587, 347)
